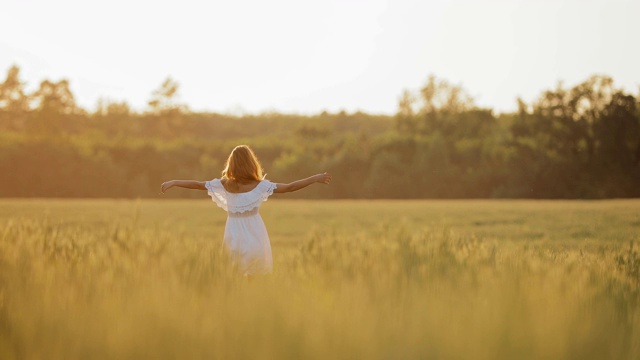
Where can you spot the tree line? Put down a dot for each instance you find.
(572, 142)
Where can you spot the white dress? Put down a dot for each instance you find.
(245, 235)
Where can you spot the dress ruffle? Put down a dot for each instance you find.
(239, 202)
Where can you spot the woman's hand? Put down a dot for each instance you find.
(324, 178)
(166, 186)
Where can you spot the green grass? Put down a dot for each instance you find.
(105, 279)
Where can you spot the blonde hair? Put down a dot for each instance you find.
(242, 166)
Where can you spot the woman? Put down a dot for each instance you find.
(240, 191)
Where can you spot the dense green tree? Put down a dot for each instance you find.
(435, 104)
(55, 98)
(164, 100)
(616, 144)
(568, 142)
(12, 94)
(576, 142)
(113, 109)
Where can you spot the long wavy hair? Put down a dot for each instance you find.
(242, 167)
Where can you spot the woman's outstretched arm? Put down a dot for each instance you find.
(187, 184)
(324, 178)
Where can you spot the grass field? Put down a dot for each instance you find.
(119, 279)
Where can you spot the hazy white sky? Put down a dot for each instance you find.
(309, 56)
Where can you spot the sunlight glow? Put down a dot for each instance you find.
(305, 57)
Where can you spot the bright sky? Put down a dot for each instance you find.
(300, 56)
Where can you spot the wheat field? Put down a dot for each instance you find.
(147, 279)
